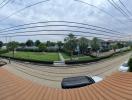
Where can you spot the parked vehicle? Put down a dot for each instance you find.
(124, 67)
(79, 81)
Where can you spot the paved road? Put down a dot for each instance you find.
(52, 76)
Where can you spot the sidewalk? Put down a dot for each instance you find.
(61, 57)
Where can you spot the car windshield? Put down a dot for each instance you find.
(125, 65)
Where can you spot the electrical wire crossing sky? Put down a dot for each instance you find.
(113, 15)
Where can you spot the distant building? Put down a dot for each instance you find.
(26, 48)
(53, 48)
(3, 47)
(104, 45)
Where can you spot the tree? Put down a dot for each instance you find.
(95, 44)
(42, 47)
(114, 47)
(83, 44)
(1, 44)
(120, 45)
(131, 47)
(22, 44)
(49, 43)
(11, 46)
(60, 44)
(37, 42)
(129, 43)
(29, 43)
(70, 44)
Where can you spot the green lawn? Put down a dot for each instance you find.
(41, 56)
(66, 56)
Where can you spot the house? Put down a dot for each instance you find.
(104, 45)
(53, 48)
(26, 48)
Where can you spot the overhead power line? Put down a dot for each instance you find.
(7, 2)
(125, 7)
(73, 26)
(118, 8)
(100, 10)
(68, 22)
(2, 2)
(45, 30)
(60, 35)
(18, 11)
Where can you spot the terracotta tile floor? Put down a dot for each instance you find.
(115, 87)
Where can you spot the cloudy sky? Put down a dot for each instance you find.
(65, 10)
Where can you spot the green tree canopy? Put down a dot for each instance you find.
(11, 46)
(83, 44)
(95, 44)
(60, 44)
(29, 43)
(37, 42)
(114, 47)
(70, 43)
(49, 43)
(22, 44)
(120, 45)
(1, 44)
(42, 47)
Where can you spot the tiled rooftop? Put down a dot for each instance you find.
(115, 87)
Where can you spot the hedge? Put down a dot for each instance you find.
(29, 60)
(94, 59)
(130, 64)
(2, 51)
(28, 49)
(87, 61)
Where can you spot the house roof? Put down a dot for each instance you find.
(115, 87)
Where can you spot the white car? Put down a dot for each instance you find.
(124, 67)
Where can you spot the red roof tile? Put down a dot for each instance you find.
(115, 87)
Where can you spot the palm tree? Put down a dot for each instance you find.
(70, 44)
(11, 46)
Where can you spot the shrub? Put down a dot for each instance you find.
(28, 49)
(131, 47)
(95, 59)
(2, 51)
(130, 64)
